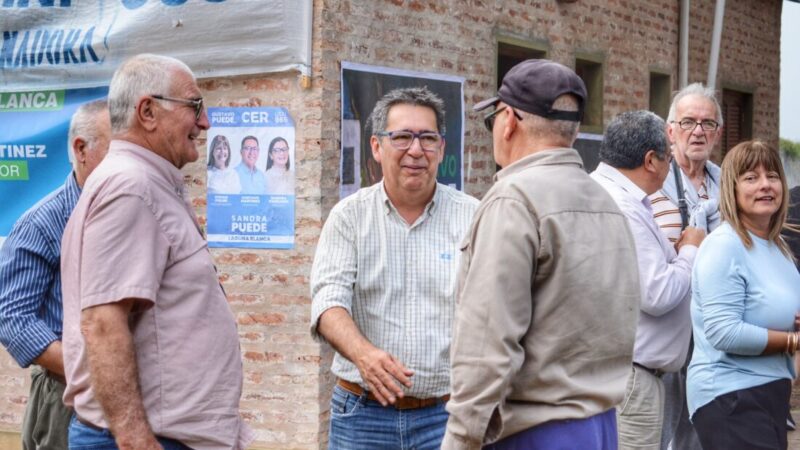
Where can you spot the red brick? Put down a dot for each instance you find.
(261, 318)
(263, 356)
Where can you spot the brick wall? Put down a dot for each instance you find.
(287, 376)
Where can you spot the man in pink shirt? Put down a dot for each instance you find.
(151, 349)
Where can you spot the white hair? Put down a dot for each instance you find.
(699, 90)
(141, 75)
(84, 124)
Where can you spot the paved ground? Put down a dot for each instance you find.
(794, 436)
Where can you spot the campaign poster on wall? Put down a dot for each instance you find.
(251, 178)
(362, 87)
(34, 158)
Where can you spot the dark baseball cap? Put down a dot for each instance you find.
(533, 85)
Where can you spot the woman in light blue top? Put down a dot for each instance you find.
(745, 300)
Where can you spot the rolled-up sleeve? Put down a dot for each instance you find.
(28, 269)
(334, 271)
(721, 294)
(493, 312)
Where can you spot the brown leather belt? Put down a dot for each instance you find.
(400, 403)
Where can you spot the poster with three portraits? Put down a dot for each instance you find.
(251, 178)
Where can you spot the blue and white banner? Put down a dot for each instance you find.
(79, 43)
(251, 181)
(34, 157)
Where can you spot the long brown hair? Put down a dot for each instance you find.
(744, 157)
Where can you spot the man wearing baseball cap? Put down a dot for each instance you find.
(548, 288)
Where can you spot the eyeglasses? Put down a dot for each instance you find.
(197, 104)
(280, 150)
(402, 140)
(691, 124)
(249, 149)
(488, 120)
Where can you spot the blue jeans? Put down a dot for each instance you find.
(358, 423)
(84, 437)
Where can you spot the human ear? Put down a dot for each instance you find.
(375, 143)
(146, 114)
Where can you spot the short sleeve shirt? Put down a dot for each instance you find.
(133, 234)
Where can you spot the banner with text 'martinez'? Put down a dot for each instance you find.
(79, 43)
(33, 146)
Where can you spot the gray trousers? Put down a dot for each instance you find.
(641, 414)
(46, 418)
(677, 429)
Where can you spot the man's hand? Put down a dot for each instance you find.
(381, 371)
(52, 359)
(690, 236)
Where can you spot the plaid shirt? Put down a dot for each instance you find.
(397, 281)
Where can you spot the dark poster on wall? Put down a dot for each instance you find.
(588, 145)
(362, 87)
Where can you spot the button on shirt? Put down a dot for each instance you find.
(133, 235)
(396, 281)
(664, 330)
(30, 276)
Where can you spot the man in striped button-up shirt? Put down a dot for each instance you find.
(383, 284)
(30, 284)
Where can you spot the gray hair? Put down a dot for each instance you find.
(84, 124)
(695, 89)
(564, 130)
(417, 96)
(630, 136)
(144, 74)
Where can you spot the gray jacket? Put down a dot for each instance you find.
(547, 306)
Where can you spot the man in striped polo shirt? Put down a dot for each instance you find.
(30, 284)
(694, 127)
(383, 284)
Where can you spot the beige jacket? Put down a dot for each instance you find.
(547, 306)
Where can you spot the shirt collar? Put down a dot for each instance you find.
(623, 182)
(430, 208)
(156, 162)
(246, 169)
(71, 188)
(549, 157)
(71, 193)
